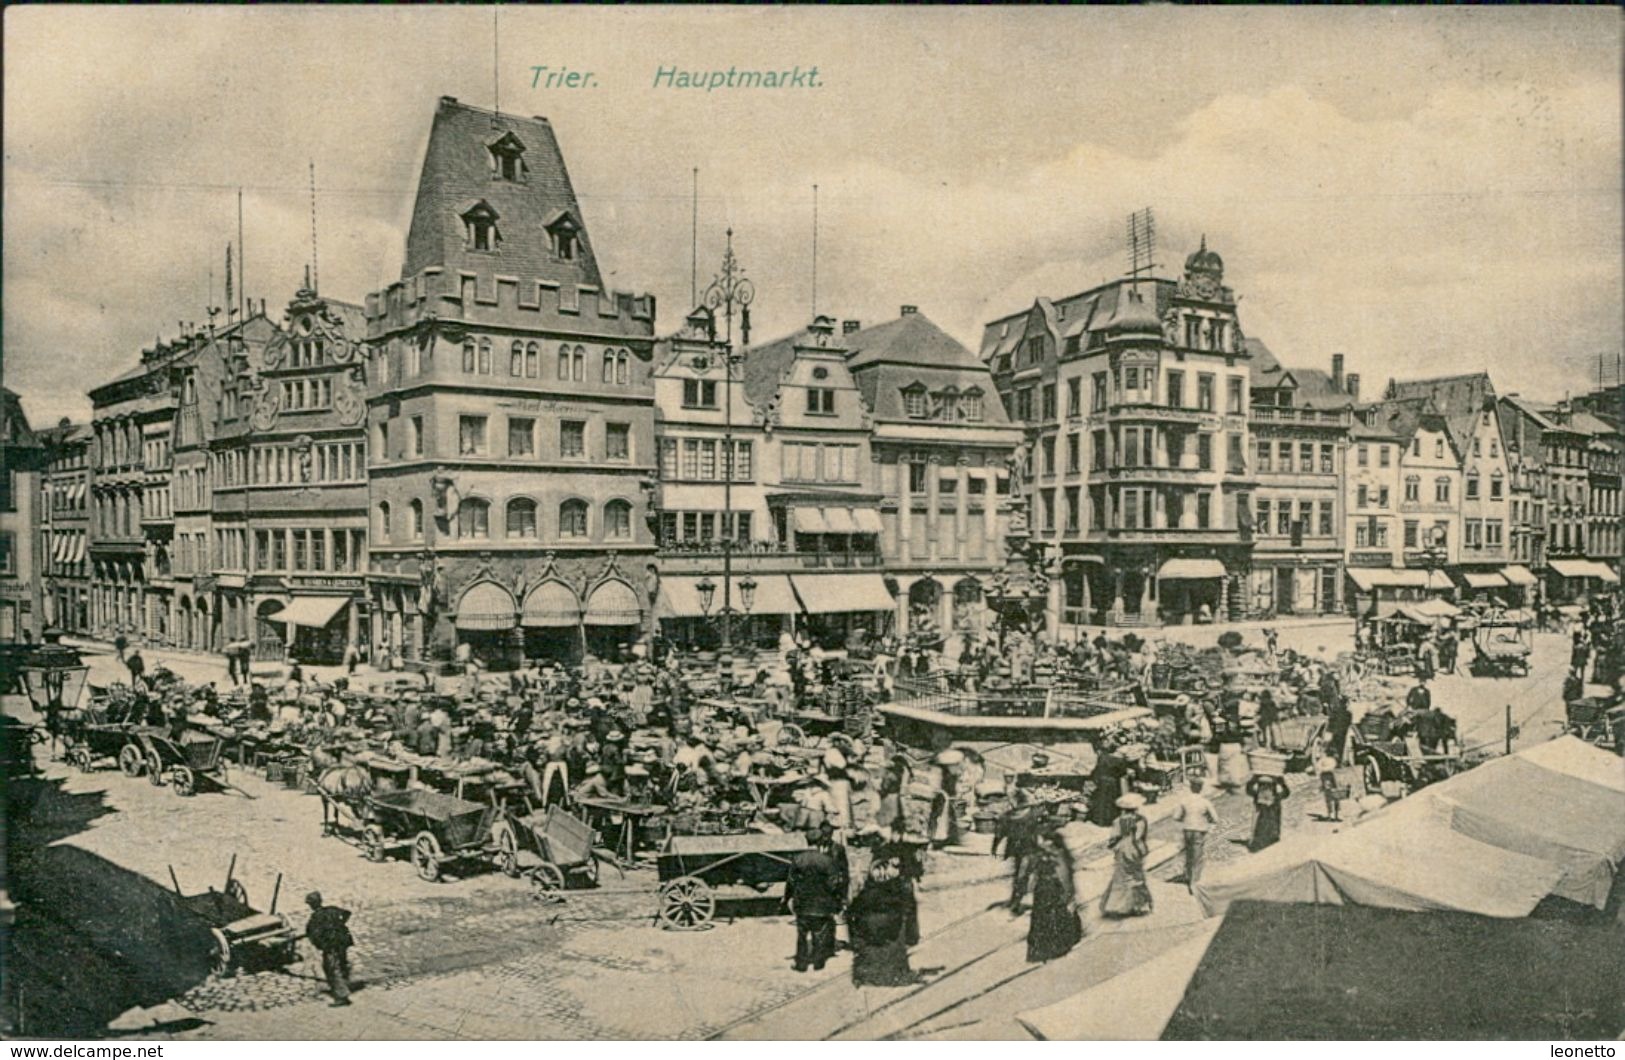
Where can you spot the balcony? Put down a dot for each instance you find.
(1187, 475)
(1212, 535)
(680, 556)
(1154, 413)
(1302, 417)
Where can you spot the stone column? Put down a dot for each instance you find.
(905, 511)
(1117, 591)
(962, 512)
(1148, 609)
(932, 544)
(992, 546)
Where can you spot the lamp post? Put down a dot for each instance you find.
(730, 291)
(54, 677)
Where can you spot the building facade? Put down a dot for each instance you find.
(64, 507)
(510, 411)
(1522, 431)
(1149, 380)
(1300, 420)
(22, 466)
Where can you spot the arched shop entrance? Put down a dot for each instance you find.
(268, 643)
(613, 619)
(486, 620)
(925, 608)
(552, 623)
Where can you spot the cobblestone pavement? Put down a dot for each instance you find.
(478, 957)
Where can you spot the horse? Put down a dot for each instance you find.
(340, 787)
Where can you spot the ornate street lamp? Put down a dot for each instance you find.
(728, 293)
(747, 593)
(54, 677)
(708, 591)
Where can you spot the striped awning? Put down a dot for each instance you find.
(551, 605)
(840, 521)
(78, 549)
(1487, 579)
(823, 594)
(486, 606)
(1192, 569)
(312, 611)
(1516, 575)
(810, 521)
(613, 603)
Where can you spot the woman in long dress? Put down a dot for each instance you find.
(1056, 926)
(1128, 894)
(883, 920)
(1267, 793)
(1106, 785)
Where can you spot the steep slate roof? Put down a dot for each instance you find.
(457, 174)
(911, 349)
(15, 433)
(765, 365)
(1539, 414)
(1311, 387)
(1403, 417)
(1089, 310)
(1459, 398)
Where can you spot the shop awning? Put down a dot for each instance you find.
(1517, 575)
(78, 549)
(1488, 579)
(312, 611)
(486, 606)
(1369, 578)
(1604, 572)
(868, 520)
(680, 596)
(809, 521)
(823, 594)
(613, 604)
(1438, 579)
(1191, 568)
(551, 605)
(59, 553)
(1571, 568)
(839, 520)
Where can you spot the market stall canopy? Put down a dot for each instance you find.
(1487, 579)
(823, 594)
(312, 611)
(1191, 569)
(1406, 857)
(1521, 806)
(680, 596)
(486, 606)
(1571, 568)
(551, 605)
(1345, 973)
(1573, 757)
(1516, 575)
(1369, 578)
(613, 603)
(1435, 608)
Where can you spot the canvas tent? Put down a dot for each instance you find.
(1407, 857)
(1573, 757)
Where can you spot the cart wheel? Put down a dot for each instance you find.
(547, 882)
(426, 856)
(130, 760)
(182, 779)
(237, 892)
(80, 757)
(686, 904)
(591, 870)
(1371, 774)
(507, 854)
(155, 769)
(791, 735)
(372, 842)
(220, 962)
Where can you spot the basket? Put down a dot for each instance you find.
(985, 823)
(1341, 794)
(1267, 763)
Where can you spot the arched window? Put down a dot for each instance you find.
(623, 368)
(485, 356)
(383, 521)
(609, 367)
(533, 361)
(564, 362)
(468, 356)
(516, 359)
(522, 517)
(578, 365)
(417, 520)
(618, 521)
(474, 518)
(573, 519)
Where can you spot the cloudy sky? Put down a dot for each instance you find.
(1428, 191)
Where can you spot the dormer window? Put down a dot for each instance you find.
(508, 159)
(480, 227)
(914, 405)
(564, 236)
(970, 405)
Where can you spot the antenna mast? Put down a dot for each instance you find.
(815, 254)
(694, 245)
(315, 268)
(1142, 242)
(496, 65)
(242, 280)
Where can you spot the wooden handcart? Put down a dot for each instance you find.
(437, 829)
(693, 868)
(187, 763)
(243, 936)
(551, 849)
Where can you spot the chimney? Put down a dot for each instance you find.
(908, 310)
(1337, 371)
(849, 326)
(1353, 385)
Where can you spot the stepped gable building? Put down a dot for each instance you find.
(510, 410)
(65, 526)
(1147, 381)
(941, 446)
(1300, 419)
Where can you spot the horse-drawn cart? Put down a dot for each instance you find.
(439, 829)
(94, 741)
(550, 849)
(692, 868)
(1501, 648)
(187, 761)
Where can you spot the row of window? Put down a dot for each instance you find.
(818, 462)
(1481, 533)
(1413, 489)
(115, 444)
(408, 359)
(701, 528)
(67, 497)
(473, 521)
(314, 550)
(307, 395)
(1278, 456)
(1282, 516)
(704, 460)
(949, 404)
(1497, 486)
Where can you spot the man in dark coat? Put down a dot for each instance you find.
(816, 888)
(328, 930)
